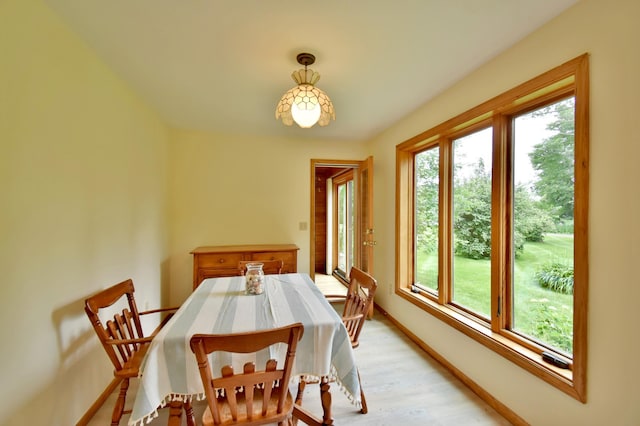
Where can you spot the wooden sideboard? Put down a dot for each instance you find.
(222, 261)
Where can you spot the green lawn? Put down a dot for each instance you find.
(538, 312)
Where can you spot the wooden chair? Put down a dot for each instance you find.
(264, 394)
(268, 266)
(123, 341)
(357, 302)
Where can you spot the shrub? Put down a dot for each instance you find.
(565, 227)
(473, 234)
(557, 277)
(553, 325)
(534, 224)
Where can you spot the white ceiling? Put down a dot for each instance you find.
(222, 65)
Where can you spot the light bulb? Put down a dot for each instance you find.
(306, 117)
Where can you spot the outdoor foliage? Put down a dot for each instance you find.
(553, 159)
(542, 232)
(532, 219)
(541, 313)
(553, 326)
(472, 217)
(557, 277)
(427, 182)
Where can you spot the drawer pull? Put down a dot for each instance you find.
(221, 260)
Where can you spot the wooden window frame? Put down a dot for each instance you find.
(568, 79)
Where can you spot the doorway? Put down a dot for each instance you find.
(341, 231)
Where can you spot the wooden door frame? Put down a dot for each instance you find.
(315, 163)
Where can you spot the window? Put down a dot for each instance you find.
(496, 205)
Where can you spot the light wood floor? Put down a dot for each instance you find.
(402, 384)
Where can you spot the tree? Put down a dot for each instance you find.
(427, 183)
(531, 221)
(553, 159)
(472, 214)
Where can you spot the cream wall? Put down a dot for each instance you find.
(609, 31)
(230, 189)
(83, 190)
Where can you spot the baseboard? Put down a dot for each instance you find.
(99, 402)
(502, 409)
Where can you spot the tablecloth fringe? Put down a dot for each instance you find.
(353, 399)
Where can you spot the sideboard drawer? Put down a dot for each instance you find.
(289, 259)
(220, 260)
(285, 256)
(204, 273)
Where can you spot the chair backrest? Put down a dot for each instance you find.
(232, 391)
(268, 266)
(122, 336)
(362, 289)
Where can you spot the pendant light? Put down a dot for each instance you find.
(305, 103)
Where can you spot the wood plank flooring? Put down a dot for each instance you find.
(403, 386)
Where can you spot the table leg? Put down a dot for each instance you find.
(175, 413)
(325, 397)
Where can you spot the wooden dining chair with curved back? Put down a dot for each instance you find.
(122, 338)
(357, 303)
(250, 397)
(273, 266)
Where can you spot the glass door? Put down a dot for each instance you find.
(344, 220)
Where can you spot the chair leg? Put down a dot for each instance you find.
(119, 407)
(364, 409)
(188, 411)
(300, 394)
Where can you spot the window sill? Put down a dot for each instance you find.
(522, 356)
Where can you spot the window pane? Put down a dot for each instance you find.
(543, 225)
(345, 225)
(427, 182)
(342, 227)
(471, 287)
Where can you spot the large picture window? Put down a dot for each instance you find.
(497, 202)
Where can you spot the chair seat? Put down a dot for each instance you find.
(271, 417)
(131, 368)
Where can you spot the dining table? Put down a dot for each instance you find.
(169, 373)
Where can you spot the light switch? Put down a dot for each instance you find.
(302, 226)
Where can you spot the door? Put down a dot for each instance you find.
(365, 193)
(363, 242)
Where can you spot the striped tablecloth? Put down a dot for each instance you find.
(219, 305)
